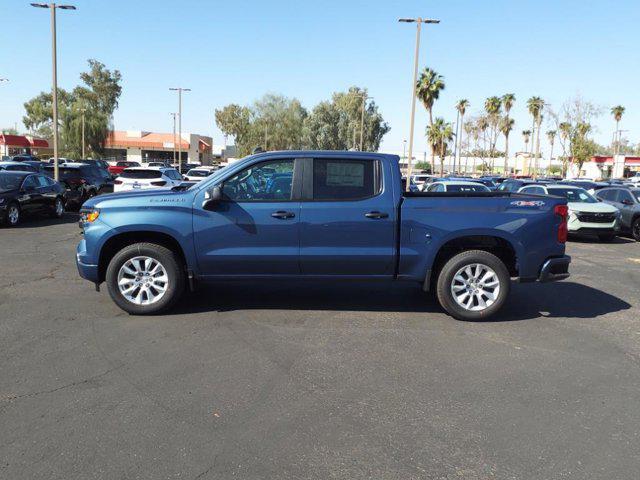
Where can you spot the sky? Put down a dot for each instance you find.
(236, 51)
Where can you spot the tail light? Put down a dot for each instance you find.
(562, 211)
(117, 182)
(159, 184)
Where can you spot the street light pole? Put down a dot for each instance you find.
(364, 100)
(53, 7)
(418, 21)
(180, 90)
(173, 114)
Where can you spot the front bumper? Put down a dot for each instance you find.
(88, 271)
(554, 269)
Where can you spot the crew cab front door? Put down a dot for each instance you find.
(254, 229)
(347, 218)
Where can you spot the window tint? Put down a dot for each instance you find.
(41, 181)
(173, 174)
(622, 195)
(261, 182)
(30, 182)
(335, 179)
(439, 188)
(605, 194)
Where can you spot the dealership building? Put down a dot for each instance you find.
(141, 146)
(11, 145)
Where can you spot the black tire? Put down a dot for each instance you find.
(635, 229)
(606, 237)
(458, 262)
(58, 212)
(9, 219)
(171, 263)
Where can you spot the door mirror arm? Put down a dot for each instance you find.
(212, 198)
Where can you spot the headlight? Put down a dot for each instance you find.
(89, 216)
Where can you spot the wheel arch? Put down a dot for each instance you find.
(498, 245)
(121, 240)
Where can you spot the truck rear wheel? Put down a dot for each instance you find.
(473, 285)
(145, 278)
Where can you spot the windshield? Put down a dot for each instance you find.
(10, 181)
(197, 173)
(573, 194)
(467, 188)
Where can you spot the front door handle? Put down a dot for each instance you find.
(376, 215)
(282, 215)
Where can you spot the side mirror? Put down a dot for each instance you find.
(212, 198)
(626, 201)
(599, 199)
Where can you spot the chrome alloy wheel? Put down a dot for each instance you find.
(59, 207)
(13, 215)
(143, 280)
(475, 287)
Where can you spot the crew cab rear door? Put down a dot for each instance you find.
(347, 217)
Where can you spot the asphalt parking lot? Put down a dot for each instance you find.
(315, 381)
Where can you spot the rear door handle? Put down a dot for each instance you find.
(376, 215)
(282, 215)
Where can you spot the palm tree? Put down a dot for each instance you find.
(476, 135)
(469, 129)
(551, 136)
(492, 106)
(461, 107)
(446, 137)
(526, 135)
(617, 113)
(535, 106)
(565, 131)
(428, 89)
(506, 125)
(433, 137)
(439, 135)
(508, 99)
(482, 125)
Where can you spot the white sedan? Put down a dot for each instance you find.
(141, 178)
(198, 174)
(458, 186)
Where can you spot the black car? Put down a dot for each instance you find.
(627, 200)
(24, 157)
(25, 193)
(18, 167)
(103, 164)
(186, 167)
(515, 184)
(82, 181)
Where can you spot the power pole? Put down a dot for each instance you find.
(82, 110)
(418, 21)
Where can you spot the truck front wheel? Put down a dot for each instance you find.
(473, 285)
(145, 278)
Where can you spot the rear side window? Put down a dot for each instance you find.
(141, 174)
(335, 179)
(173, 174)
(605, 194)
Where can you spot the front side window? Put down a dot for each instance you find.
(261, 182)
(335, 179)
(623, 195)
(30, 182)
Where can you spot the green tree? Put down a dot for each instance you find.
(493, 107)
(335, 124)
(428, 88)
(508, 99)
(97, 98)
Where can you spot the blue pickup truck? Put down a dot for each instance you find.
(319, 214)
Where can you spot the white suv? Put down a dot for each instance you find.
(138, 178)
(586, 213)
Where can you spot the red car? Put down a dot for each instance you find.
(120, 166)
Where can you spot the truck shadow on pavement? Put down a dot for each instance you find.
(560, 300)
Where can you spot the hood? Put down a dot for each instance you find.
(139, 198)
(599, 207)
